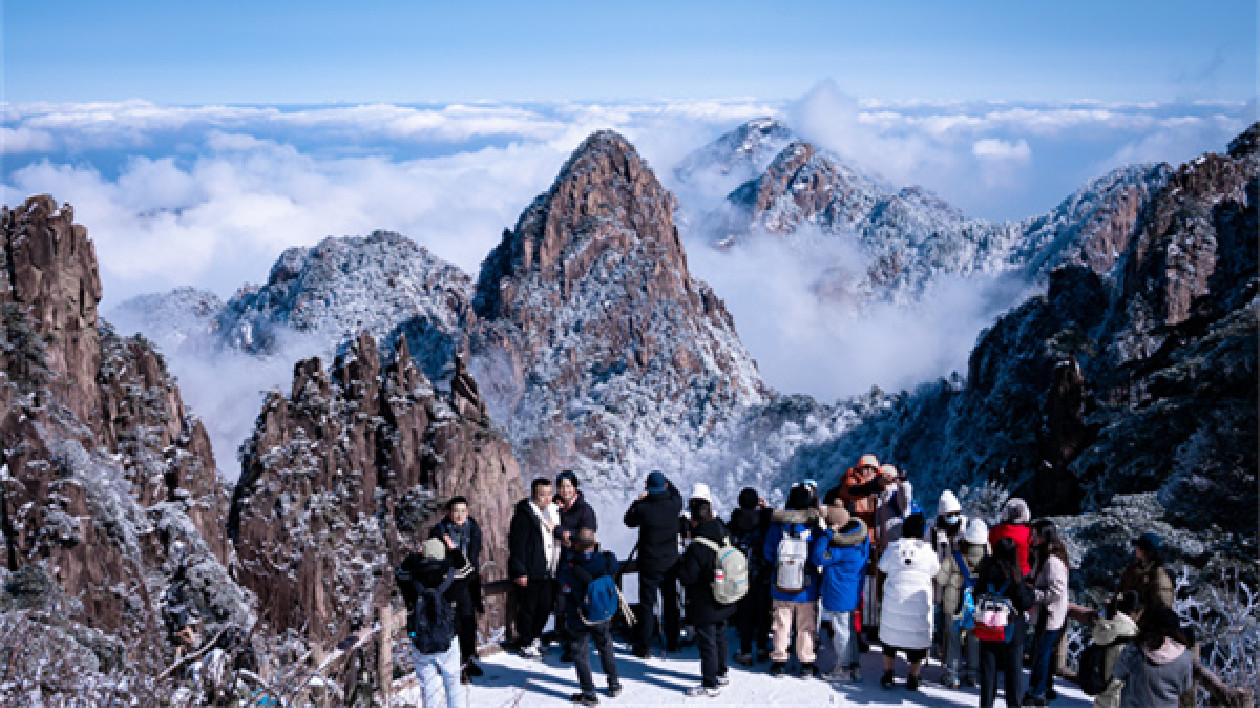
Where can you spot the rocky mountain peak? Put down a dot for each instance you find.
(605, 199)
(356, 461)
(109, 500)
(592, 287)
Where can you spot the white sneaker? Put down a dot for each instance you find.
(704, 691)
(724, 680)
(532, 651)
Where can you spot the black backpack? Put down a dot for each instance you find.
(1092, 674)
(431, 623)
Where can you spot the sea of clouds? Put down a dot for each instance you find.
(208, 196)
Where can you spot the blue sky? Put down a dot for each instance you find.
(409, 52)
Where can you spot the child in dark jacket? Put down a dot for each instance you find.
(706, 614)
(435, 648)
(582, 566)
(841, 555)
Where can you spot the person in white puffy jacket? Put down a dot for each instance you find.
(905, 622)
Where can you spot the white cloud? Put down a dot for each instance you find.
(807, 344)
(1002, 150)
(24, 139)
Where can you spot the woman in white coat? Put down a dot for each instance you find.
(905, 621)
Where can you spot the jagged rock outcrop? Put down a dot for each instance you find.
(51, 272)
(108, 487)
(598, 338)
(1141, 379)
(344, 476)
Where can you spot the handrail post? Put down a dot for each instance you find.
(385, 651)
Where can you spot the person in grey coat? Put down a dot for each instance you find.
(1156, 669)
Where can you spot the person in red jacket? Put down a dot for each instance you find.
(1015, 520)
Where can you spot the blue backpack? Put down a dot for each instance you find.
(602, 599)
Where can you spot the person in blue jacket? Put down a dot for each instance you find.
(841, 554)
(794, 588)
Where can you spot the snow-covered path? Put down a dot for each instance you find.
(512, 681)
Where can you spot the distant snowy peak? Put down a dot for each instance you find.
(803, 186)
(590, 305)
(344, 285)
(182, 319)
(906, 237)
(910, 236)
(743, 151)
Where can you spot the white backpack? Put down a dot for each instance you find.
(789, 571)
(730, 572)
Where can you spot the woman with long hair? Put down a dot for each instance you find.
(1000, 575)
(1049, 612)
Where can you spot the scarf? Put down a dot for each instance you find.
(547, 521)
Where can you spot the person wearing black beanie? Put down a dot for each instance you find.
(747, 528)
(749, 498)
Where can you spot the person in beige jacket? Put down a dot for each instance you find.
(973, 547)
(1114, 633)
(1049, 612)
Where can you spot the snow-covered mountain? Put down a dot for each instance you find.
(907, 238)
(384, 284)
(608, 353)
(733, 158)
(1127, 392)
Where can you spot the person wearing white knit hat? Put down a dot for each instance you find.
(701, 491)
(945, 535)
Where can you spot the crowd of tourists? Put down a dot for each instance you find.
(860, 566)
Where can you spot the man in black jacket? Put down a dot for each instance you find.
(575, 515)
(707, 615)
(655, 513)
(533, 555)
(457, 530)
